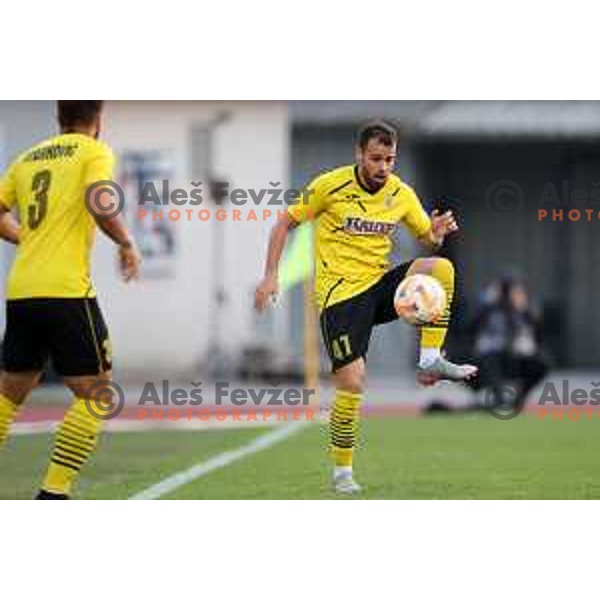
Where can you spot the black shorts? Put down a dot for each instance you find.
(347, 325)
(69, 331)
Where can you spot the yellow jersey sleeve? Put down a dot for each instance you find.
(100, 165)
(311, 203)
(416, 219)
(8, 192)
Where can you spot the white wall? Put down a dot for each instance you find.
(162, 325)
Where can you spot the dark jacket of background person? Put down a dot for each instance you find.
(507, 335)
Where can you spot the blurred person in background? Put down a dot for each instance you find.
(507, 333)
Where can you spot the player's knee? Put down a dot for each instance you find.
(84, 386)
(443, 265)
(17, 386)
(352, 378)
(443, 271)
(354, 385)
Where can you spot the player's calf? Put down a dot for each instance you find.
(433, 366)
(14, 389)
(76, 438)
(343, 423)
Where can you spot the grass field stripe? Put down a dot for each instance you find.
(168, 485)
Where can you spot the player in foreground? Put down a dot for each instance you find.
(51, 309)
(356, 210)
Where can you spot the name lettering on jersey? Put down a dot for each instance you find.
(366, 227)
(52, 152)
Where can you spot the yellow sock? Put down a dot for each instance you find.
(343, 426)
(8, 412)
(76, 439)
(433, 336)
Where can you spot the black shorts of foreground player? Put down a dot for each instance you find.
(355, 210)
(52, 313)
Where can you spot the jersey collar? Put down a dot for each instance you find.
(362, 186)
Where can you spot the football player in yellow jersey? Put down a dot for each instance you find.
(51, 309)
(356, 210)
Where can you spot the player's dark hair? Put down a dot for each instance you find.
(72, 113)
(378, 130)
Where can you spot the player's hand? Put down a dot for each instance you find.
(442, 224)
(265, 293)
(130, 260)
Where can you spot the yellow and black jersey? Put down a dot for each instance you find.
(353, 229)
(47, 186)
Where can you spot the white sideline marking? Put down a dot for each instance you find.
(218, 462)
(33, 427)
(133, 425)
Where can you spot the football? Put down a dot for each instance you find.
(420, 299)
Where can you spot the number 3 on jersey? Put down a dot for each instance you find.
(38, 209)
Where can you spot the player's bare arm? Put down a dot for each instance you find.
(114, 227)
(9, 228)
(269, 287)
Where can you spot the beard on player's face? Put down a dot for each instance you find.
(376, 162)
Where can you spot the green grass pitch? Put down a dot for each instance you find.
(418, 458)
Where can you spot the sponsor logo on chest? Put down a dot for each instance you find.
(360, 226)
